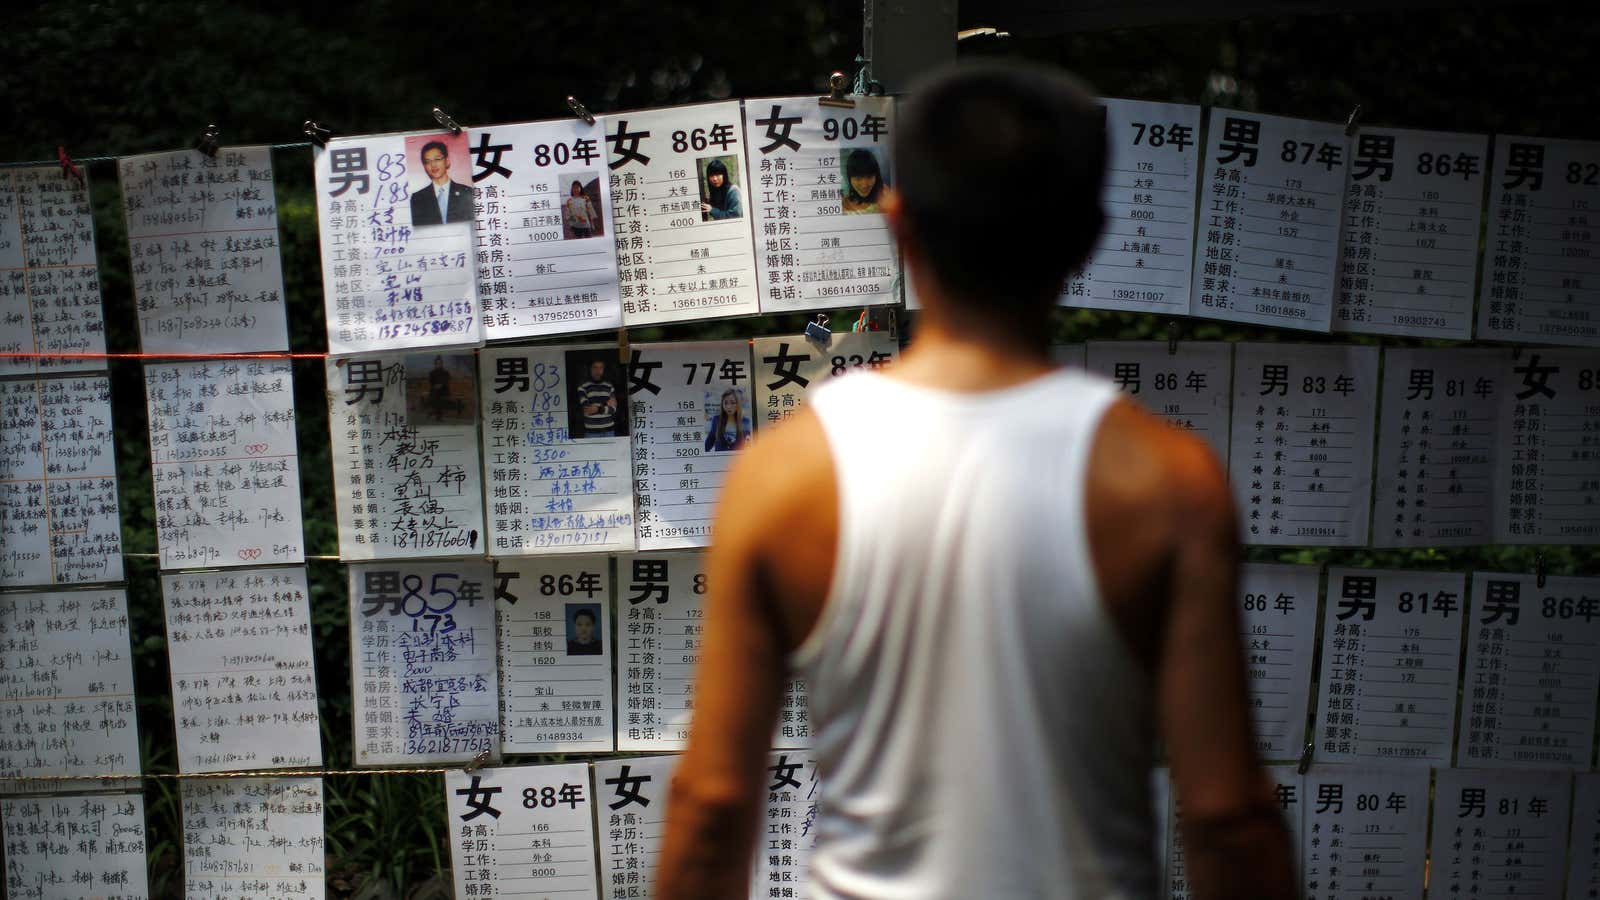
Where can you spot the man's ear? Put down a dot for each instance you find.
(894, 213)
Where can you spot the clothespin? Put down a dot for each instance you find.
(865, 322)
(1539, 570)
(69, 169)
(317, 133)
(443, 118)
(579, 110)
(207, 142)
(1516, 353)
(1353, 121)
(478, 762)
(1305, 758)
(838, 84)
(817, 329)
(1173, 329)
(624, 354)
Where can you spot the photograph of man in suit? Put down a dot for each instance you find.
(442, 201)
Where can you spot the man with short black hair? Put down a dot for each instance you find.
(1001, 581)
(442, 201)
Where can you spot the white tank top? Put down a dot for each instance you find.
(980, 728)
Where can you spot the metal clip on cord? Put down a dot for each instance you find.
(207, 142)
(443, 118)
(579, 110)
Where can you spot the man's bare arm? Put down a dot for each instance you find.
(716, 793)
(1235, 842)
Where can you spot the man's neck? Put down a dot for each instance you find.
(958, 350)
(442, 183)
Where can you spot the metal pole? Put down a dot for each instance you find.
(904, 38)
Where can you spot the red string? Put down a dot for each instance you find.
(163, 356)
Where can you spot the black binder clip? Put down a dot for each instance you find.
(478, 762)
(579, 110)
(443, 118)
(317, 133)
(1352, 122)
(817, 329)
(1540, 570)
(1173, 329)
(838, 86)
(207, 142)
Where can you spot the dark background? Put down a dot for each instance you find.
(112, 79)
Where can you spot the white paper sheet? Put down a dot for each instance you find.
(522, 831)
(787, 830)
(92, 845)
(547, 256)
(1279, 615)
(1188, 386)
(630, 811)
(422, 658)
(66, 689)
(1533, 669)
(1391, 650)
(1269, 220)
(399, 267)
(245, 838)
(226, 463)
(1412, 207)
(789, 368)
(1301, 453)
(660, 626)
(1365, 832)
(1146, 249)
(691, 408)
(1547, 469)
(244, 681)
(682, 253)
(556, 453)
(49, 280)
(1541, 268)
(818, 173)
(1438, 442)
(555, 654)
(405, 455)
(203, 249)
(59, 520)
(1499, 835)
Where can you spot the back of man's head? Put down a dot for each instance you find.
(999, 171)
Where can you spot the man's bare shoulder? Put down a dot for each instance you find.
(1143, 465)
(1153, 489)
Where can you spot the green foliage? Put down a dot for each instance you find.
(125, 78)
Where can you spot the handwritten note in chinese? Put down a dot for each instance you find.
(399, 267)
(226, 463)
(49, 280)
(244, 689)
(245, 838)
(203, 248)
(89, 845)
(58, 482)
(66, 687)
(405, 455)
(422, 650)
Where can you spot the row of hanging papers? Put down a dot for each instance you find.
(519, 451)
(450, 659)
(525, 451)
(433, 241)
(594, 831)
